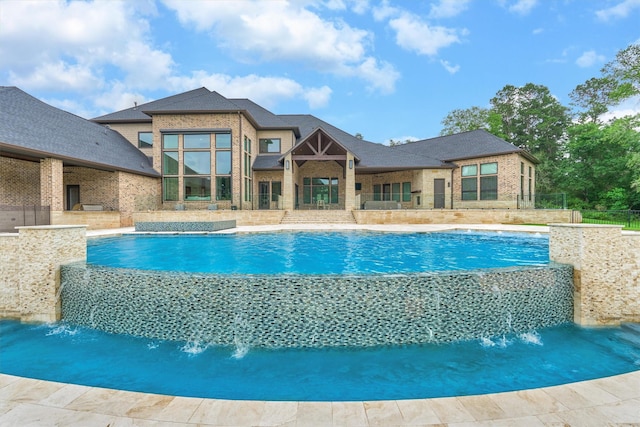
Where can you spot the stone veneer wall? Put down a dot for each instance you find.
(30, 270)
(462, 216)
(606, 271)
(315, 311)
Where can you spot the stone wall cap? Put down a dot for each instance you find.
(587, 225)
(49, 227)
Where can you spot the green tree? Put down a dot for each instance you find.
(463, 120)
(592, 98)
(533, 119)
(625, 70)
(595, 168)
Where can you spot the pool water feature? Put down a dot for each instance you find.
(551, 356)
(350, 252)
(292, 305)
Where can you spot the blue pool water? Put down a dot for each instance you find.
(320, 252)
(60, 352)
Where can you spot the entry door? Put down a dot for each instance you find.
(438, 193)
(73, 196)
(263, 195)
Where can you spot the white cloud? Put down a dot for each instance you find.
(629, 107)
(414, 34)
(520, 7)
(537, 31)
(619, 11)
(103, 51)
(448, 8)
(58, 75)
(266, 91)
(452, 69)
(589, 58)
(277, 31)
(317, 97)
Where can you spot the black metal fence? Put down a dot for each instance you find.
(16, 216)
(627, 218)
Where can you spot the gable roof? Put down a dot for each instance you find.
(465, 145)
(31, 128)
(372, 157)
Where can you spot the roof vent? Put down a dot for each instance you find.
(135, 105)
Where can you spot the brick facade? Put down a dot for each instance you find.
(19, 182)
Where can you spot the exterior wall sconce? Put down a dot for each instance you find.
(350, 164)
(287, 165)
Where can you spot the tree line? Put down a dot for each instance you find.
(592, 158)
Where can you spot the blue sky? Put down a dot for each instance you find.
(385, 69)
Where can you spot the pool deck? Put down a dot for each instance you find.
(612, 401)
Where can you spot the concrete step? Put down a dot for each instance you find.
(318, 217)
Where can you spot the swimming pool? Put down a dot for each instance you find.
(352, 252)
(374, 289)
(550, 356)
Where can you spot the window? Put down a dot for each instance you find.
(197, 188)
(406, 191)
(530, 182)
(276, 190)
(223, 188)
(488, 181)
(187, 160)
(197, 141)
(470, 188)
(170, 189)
(269, 145)
(145, 139)
(169, 141)
(223, 140)
(320, 189)
(197, 163)
(377, 192)
(248, 184)
(489, 184)
(223, 166)
(358, 186)
(223, 162)
(395, 192)
(170, 163)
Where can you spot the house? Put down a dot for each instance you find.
(54, 159)
(235, 154)
(200, 150)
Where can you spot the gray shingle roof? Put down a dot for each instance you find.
(465, 145)
(264, 118)
(370, 154)
(33, 128)
(372, 157)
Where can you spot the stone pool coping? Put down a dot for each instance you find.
(602, 402)
(605, 401)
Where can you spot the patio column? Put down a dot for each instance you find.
(350, 183)
(51, 184)
(289, 187)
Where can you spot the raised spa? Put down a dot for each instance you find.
(360, 289)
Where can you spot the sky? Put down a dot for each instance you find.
(387, 69)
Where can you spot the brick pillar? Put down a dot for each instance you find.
(597, 253)
(51, 184)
